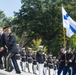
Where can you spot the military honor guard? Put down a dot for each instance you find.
(45, 66)
(34, 63)
(73, 60)
(55, 62)
(23, 59)
(68, 55)
(50, 65)
(61, 60)
(40, 59)
(29, 60)
(12, 50)
(18, 57)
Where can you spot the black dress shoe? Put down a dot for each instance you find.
(18, 72)
(8, 70)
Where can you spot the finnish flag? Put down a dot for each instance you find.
(68, 23)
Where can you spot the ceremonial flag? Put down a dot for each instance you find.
(68, 23)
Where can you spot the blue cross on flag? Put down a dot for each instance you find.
(68, 23)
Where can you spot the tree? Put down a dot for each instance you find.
(41, 19)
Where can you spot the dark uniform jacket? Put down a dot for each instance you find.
(55, 64)
(3, 43)
(29, 57)
(40, 57)
(34, 59)
(11, 44)
(50, 62)
(68, 57)
(74, 62)
(62, 60)
(46, 63)
(23, 57)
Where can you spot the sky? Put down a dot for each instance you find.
(9, 6)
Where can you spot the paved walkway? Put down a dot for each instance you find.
(2, 72)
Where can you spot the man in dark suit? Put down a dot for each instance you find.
(3, 50)
(12, 50)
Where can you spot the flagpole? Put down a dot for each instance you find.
(64, 39)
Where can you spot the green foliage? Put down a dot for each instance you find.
(36, 44)
(42, 19)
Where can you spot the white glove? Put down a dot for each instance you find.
(70, 60)
(64, 52)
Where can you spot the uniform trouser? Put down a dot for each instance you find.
(60, 69)
(30, 67)
(41, 67)
(12, 56)
(3, 53)
(35, 69)
(55, 72)
(19, 63)
(66, 69)
(51, 71)
(24, 66)
(45, 71)
(74, 72)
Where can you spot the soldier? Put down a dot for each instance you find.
(29, 60)
(50, 65)
(40, 59)
(18, 57)
(68, 55)
(55, 65)
(45, 66)
(34, 63)
(12, 50)
(23, 59)
(73, 61)
(3, 49)
(61, 60)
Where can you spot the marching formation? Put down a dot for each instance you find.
(38, 63)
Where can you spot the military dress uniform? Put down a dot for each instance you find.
(18, 57)
(4, 51)
(29, 60)
(67, 66)
(40, 59)
(12, 51)
(50, 65)
(45, 66)
(61, 60)
(23, 59)
(34, 63)
(73, 60)
(55, 65)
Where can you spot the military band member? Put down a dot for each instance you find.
(50, 65)
(34, 63)
(40, 59)
(23, 59)
(29, 60)
(68, 55)
(12, 50)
